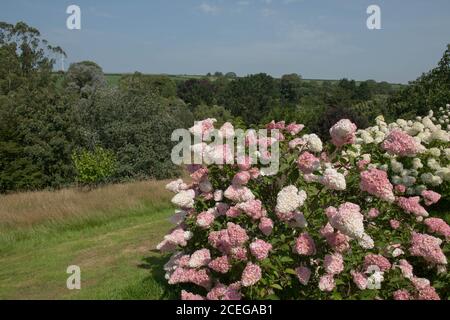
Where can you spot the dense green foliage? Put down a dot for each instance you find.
(94, 167)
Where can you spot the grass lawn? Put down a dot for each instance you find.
(115, 253)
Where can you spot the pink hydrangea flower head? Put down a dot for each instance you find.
(376, 183)
(430, 197)
(402, 144)
(244, 163)
(239, 253)
(294, 143)
(266, 226)
(220, 264)
(203, 128)
(412, 205)
(401, 294)
(343, 133)
(376, 260)
(233, 212)
(305, 245)
(238, 236)
(373, 213)
(222, 292)
(333, 263)
(362, 164)
(185, 295)
(439, 226)
(427, 247)
(205, 219)
(406, 268)
(303, 274)
(241, 178)
(200, 258)
(294, 128)
(349, 220)
(253, 208)
(199, 175)
(400, 188)
(326, 283)
(395, 224)
(260, 249)
(199, 277)
(308, 163)
(238, 193)
(251, 275)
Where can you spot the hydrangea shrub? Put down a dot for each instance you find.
(349, 219)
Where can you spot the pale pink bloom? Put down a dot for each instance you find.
(219, 154)
(199, 277)
(326, 283)
(251, 138)
(205, 219)
(376, 260)
(238, 236)
(222, 292)
(176, 186)
(308, 163)
(276, 125)
(233, 212)
(400, 188)
(226, 131)
(241, 178)
(412, 205)
(253, 208)
(184, 199)
(178, 237)
(200, 258)
(185, 295)
(296, 142)
(251, 275)
(333, 180)
(401, 294)
(359, 279)
(439, 226)
(218, 195)
(220, 264)
(362, 164)
(373, 213)
(238, 193)
(343, 133)
(305, 245)
(239, 254)
(349, 220)
(203, 128)
(376, 183)
(260, 249)
(311, 178)
(294, 128)
(266, 226)
(336, 240)
(244, 163)
(303, 275)
(427, 293)
(199, 174)
(395, 224)
(254, 173)
(406, 268)
(427, 247)
(430, 197)
(333, 263)
(400, 143)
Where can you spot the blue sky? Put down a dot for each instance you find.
(323, 39)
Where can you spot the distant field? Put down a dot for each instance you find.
(110, 233)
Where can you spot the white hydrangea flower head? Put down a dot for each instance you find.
(290, 199)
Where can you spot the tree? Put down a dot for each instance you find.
(94, 167)
(35, 121)
(197, 91)
(231, 75)
(84, 78)
(290, 88)
(139, 83)
(251, 97)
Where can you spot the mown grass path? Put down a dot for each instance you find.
(116, 257)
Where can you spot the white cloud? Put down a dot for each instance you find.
(243, 3)
(209, 8)
(266, 12)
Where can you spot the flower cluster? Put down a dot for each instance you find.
(355, 218)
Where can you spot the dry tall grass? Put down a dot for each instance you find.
(32, 208)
